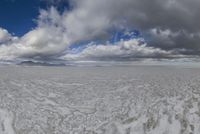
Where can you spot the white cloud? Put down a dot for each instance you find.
(45, 41)
(123, 50)
(4, 35)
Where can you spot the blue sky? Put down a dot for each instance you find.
(17, 16)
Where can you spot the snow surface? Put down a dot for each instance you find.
(100, 100)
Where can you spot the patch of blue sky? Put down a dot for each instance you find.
(116, 37)
(79, 47)
(125, 35)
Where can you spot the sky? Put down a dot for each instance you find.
(18, 16)
(93, 30)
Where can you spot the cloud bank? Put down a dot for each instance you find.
(123, 50)
(169, 28)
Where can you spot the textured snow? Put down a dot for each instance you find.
(100, 100)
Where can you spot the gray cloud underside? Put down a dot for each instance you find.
(171, 28)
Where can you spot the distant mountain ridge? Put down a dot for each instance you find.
(38, 63)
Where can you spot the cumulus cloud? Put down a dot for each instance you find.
(37, 43)
(4, 35)
(169, 28)
(45, 41)
(180, 18)
(123, 50)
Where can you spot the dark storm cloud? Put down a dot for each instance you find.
(175, 23)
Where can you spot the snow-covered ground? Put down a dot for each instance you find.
(100, 100)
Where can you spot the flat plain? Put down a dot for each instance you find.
(136, 99)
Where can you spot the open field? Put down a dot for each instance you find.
(100, 100)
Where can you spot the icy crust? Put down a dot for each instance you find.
(6, 121)
(99, 100)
